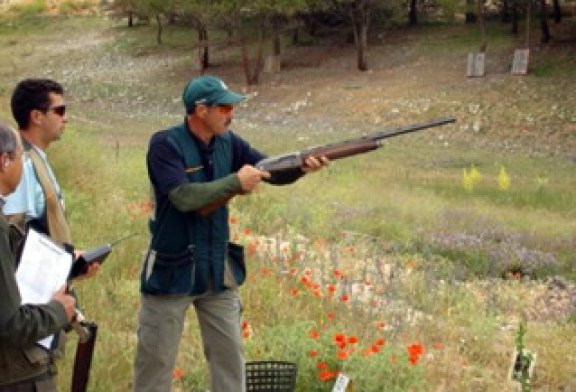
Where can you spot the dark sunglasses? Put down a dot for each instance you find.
(59, 110)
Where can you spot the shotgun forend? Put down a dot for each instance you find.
(342, 149)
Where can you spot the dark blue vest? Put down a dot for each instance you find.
(190, 249)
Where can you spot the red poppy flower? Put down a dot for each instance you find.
(326, 375)
(178, 373)
(342, 355)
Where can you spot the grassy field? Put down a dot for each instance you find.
(391, 266)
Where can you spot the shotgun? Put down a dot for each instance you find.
(334, 151)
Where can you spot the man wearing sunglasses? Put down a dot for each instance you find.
(192, 166)
(39, 110)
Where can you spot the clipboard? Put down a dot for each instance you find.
(43, 269)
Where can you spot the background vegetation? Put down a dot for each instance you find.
(408, 268)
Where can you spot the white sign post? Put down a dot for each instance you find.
(343, 382)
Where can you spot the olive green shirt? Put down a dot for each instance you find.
(21, 326)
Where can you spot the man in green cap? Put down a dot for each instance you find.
(193, 167)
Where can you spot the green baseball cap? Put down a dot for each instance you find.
(208, 90)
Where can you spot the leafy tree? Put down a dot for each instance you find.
(252, 21)
(121, 8)
(156, 9)
(360, 13)
(201, 14)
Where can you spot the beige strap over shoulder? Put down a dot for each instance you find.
(57, 225)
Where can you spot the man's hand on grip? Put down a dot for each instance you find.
(250, 177)
(68, 301)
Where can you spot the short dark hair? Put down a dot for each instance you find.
(8, 142)
(32, 94)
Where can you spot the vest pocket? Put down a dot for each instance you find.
(235, 266)
(171, 273)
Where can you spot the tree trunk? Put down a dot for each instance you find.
(528, 14)
(159, 30)
(258, 66)
(360, 16)
(505, 15)
(482, 22)
(130, 18)
(172, 18)
(276, 47)
(514, 9)
(252, 75)
(229, 35)
(545, 31)
(361, 46)
(470, 15)
(557, 11)
(295, 37)
(245, 58)
(203, 49)
(413, 13)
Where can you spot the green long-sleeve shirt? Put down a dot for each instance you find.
(21, 326)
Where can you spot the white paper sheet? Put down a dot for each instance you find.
(43, 269)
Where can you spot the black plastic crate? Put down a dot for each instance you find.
(271, 376)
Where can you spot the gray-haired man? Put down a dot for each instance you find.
(24, 366)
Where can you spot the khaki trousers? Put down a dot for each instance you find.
(161, 321)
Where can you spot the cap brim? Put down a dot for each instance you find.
(229, 98)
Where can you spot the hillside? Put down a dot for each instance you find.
(415, 75)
